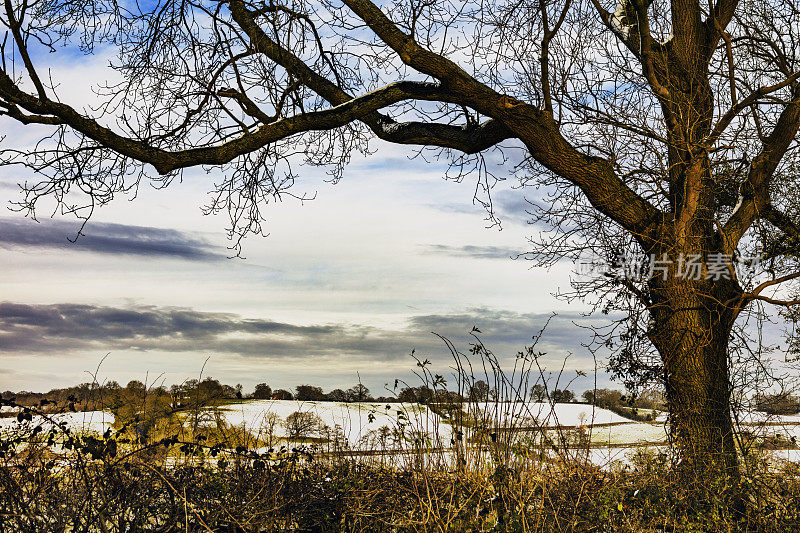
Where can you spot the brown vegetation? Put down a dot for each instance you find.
(114, 483)
(172, 462)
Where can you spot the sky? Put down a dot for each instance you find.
(342, 289)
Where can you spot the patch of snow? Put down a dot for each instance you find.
(559, 414)
(358, 423)
(616, 19)
(87, 421)
(632, 433)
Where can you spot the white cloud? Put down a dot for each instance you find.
(358, 254)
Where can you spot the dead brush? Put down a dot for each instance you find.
(474, 459)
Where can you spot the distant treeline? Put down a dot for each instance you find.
(90, 396)
(782, 403)
(194, 392)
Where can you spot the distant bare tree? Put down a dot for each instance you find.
(358, 393)
(302, 424)
(562, 396)
(282, 394)
(662, 127)
(262, 392)
(479, 391)
(308, 393)
(539, 393)
(337, 395)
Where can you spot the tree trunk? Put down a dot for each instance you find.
(691, 328)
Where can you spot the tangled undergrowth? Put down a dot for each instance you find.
(163, 469)
(98, 486)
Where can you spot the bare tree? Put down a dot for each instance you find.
(302, 424)
(665, 128)
(358, 393)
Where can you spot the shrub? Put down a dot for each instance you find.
(302, 425)
(778, 404)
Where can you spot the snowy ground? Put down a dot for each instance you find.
(378, 429)
(542, 414)
(630, 433)
(82, 422)
(359, 424)
(371, 427)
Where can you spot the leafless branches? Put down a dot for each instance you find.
(647, 126)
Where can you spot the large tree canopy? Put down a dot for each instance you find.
(663, 127)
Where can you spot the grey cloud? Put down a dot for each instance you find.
(475, 252)
(510, 328)
(509, 205)
(104, 238)
(42, 328)
(72, 328)
(456, 207)
(512, 206)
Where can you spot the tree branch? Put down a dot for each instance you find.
(750, 100)
(774, 301)
(410, 52)
(754, 192)
(721, 15)
(166, 161)
(593, 175)
(466, 139)
(14, 25)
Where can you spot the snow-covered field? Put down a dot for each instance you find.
(358, 421)
(543, 414)
(372, 426)
(82, 422)
(359, 424)
(375, 428)
(630, 433)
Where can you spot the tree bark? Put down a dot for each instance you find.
(691, 327)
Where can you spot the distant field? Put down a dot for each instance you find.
(370, 429)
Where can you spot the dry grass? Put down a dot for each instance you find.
(116, 484)
(193, 472)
